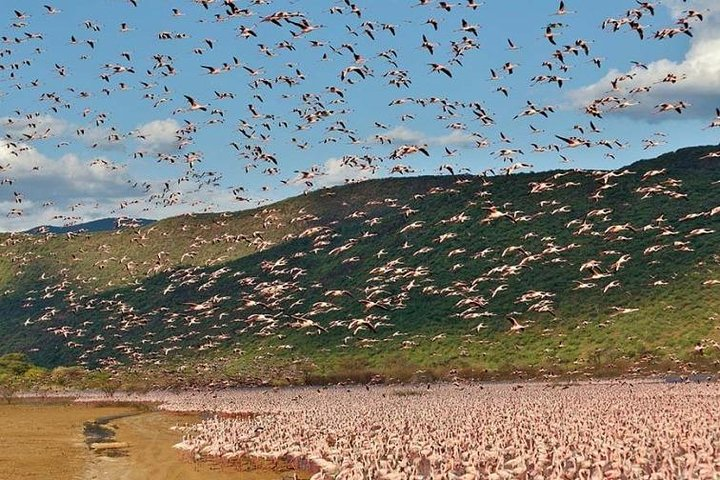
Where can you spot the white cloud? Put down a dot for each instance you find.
(103, 138)
(337, 172)
(43, 127)
(678, 7)
(402, 134)
(65, 186)
(699, 70)
(158, 136)
(40, 125)
(152, 137)
(72, 189)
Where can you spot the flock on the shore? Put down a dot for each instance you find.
(605, 430)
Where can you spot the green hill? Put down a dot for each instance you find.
(607, 273)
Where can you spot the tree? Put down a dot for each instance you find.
(9, 386)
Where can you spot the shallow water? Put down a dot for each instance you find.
(42, 441)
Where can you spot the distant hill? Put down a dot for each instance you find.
(572, 272)
(101, 225)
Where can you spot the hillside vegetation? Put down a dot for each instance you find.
(564, 272)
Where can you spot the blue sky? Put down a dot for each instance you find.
(63, 176)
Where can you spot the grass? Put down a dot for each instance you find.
(133, 316)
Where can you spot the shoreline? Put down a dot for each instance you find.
(139, 398)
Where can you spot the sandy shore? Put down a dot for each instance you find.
(151, 455)
(41, 441)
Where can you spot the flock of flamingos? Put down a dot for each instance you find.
(590, 430)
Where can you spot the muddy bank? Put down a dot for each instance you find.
(45, 440)
(52, 439)
(100, 435)
(150, 437)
